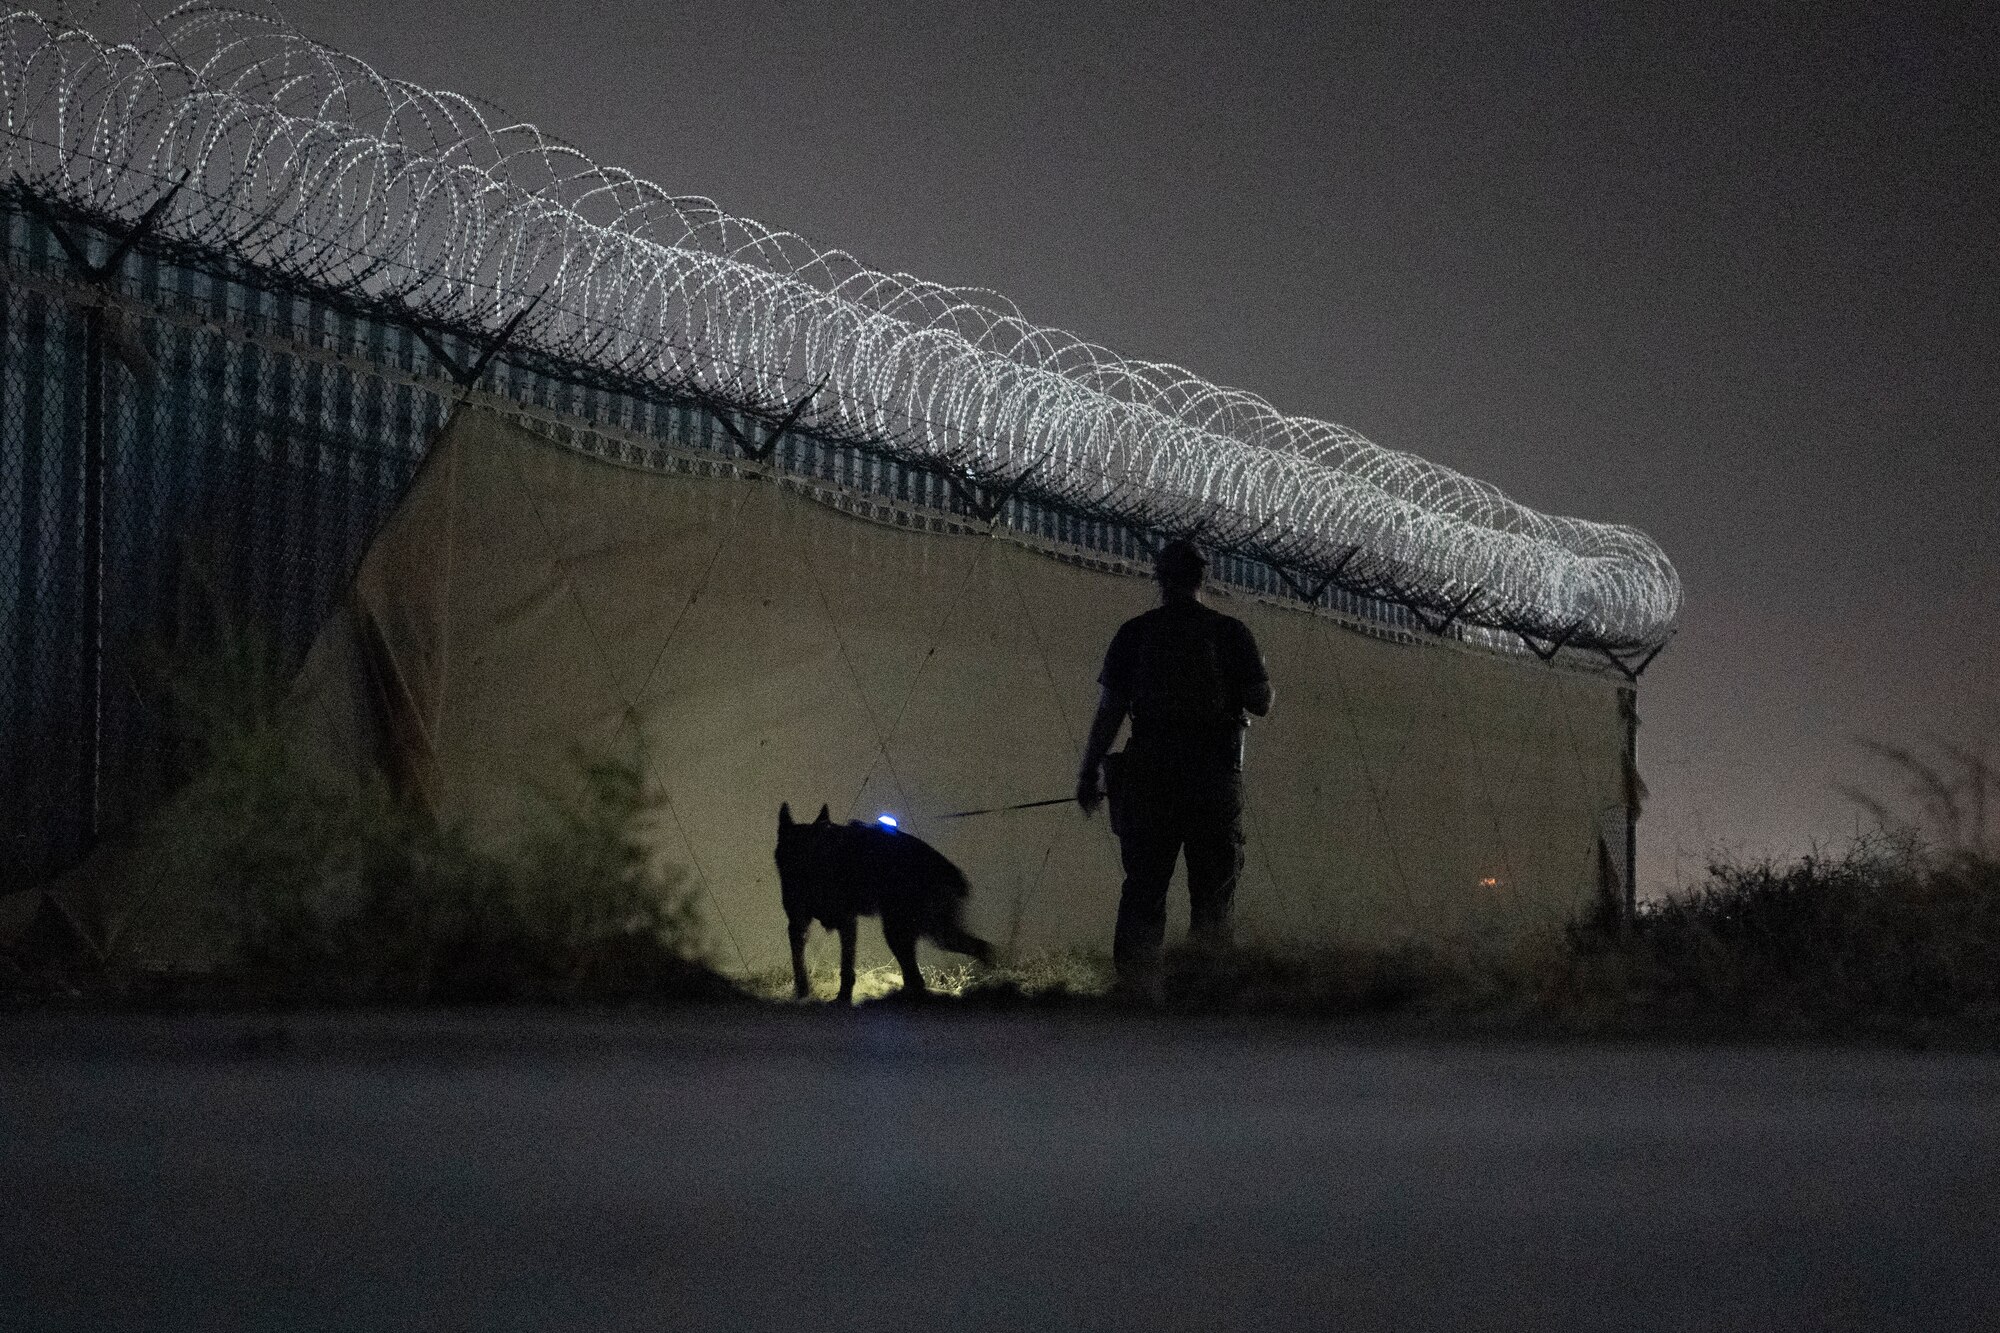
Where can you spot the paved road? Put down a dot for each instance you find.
(886, 1169)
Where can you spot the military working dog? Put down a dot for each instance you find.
(837, 873)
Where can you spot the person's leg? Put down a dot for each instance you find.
(1148, 847)
(1214, 860)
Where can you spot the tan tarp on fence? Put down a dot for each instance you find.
(526, 600)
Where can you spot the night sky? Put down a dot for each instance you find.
(1728, 276)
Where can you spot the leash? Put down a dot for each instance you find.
(1002, 809)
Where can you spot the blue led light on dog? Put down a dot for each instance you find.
(887, 821)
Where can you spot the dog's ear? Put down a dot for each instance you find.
(785, 815)
(824, 818)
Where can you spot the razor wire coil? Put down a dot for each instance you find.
(297, 158)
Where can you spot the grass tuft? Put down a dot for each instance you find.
(1883, 934)
(301, 884)
(1884, 939)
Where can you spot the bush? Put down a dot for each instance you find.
(339, 891)
(1882, 932)
(326, 886)
(1882, 938)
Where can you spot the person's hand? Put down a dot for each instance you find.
(1088, 794)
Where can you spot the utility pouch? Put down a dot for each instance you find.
(1116, 790)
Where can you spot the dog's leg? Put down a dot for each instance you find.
(902, 940)
(847, 960)
(960, 940)
(797, 927)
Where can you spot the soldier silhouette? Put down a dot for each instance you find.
(1190, 678)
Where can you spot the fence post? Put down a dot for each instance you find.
(1628, 712)
(93, 561)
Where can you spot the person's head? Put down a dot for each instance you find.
(1179, 567)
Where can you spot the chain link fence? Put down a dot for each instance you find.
(151, 468)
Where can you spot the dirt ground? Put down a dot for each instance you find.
(812, 1169)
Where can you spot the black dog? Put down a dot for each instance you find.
(835, 873)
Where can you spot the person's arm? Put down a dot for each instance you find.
(1112, 706)
(1114, 701)
(1253, 689)
(1257, 700)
